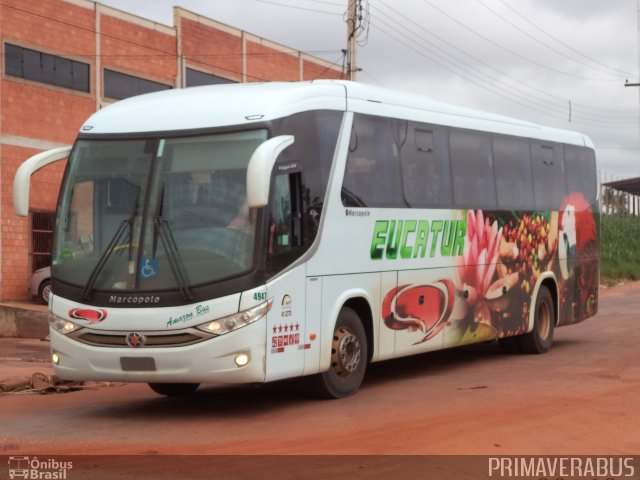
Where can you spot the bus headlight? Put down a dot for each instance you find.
(237, 320)
(63, 326)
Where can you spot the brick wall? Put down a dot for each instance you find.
(268, 63)
(36, 116)
(31, 109)
(313, 70)
(50, 24)
(215, 48)
(137, 50)
(211, 49)
(16, 233)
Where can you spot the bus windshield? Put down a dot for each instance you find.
(156, 213)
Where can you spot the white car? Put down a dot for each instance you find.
(40, 284)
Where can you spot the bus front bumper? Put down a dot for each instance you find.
(217, 361)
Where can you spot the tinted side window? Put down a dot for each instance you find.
(46, 68)
(316, 134)
(512, 167)
(372, 175)
(581, 171)
(425, 167)
(13, 60)
(550, 186)
(197, 78)
(472, 170)
(120, 85)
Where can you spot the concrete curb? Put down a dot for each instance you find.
(23, 321)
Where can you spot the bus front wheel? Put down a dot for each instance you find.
(539, 340)
(349, 354)
(174, 389)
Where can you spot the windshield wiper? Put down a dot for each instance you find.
(169, 243)
(86, 292)
(106, 254)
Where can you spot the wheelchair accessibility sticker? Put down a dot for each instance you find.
(148, 267)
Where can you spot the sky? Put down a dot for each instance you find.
(559, 63)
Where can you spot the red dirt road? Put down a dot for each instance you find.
(580, 398)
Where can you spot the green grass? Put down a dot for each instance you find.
(619, 248)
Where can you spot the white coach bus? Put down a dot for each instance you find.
(256, 232)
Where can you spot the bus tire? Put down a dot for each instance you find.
(174, 389)
(44, 290)
(349, 354)
(539, 340)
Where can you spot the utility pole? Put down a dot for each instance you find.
(627, 83)
(352, 22)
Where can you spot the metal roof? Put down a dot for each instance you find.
(628, 185)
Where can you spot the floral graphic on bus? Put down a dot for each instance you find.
(504, 255)
(477, 267)
(420, 308)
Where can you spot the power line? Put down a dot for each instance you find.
(335, 4)
(516, 54)
(461, 75)
(564, 44)
(372, 77)
(358, 26)
(466, 65)
(329, 67)
(483, 83)
(297, 8)
(537, 40)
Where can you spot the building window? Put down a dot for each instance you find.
(196, 78)
(41, 239)
(46, 68)
(120, 85)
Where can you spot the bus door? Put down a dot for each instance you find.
(286, 332)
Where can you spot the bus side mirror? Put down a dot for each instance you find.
(260, 167)
(22, 179)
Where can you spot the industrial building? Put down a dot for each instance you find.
(65, 59)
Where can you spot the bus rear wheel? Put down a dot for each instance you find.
(539, 340)
(349, 354)
(174, 389)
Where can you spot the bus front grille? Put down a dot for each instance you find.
(152, 339)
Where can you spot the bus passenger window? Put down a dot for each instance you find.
(472, 169)
(581, 171)
(372, 175)
(512, 166)
(425, 168)
(550, 184)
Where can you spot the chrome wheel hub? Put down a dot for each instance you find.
(346, 352)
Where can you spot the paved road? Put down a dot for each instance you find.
(580, 398)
